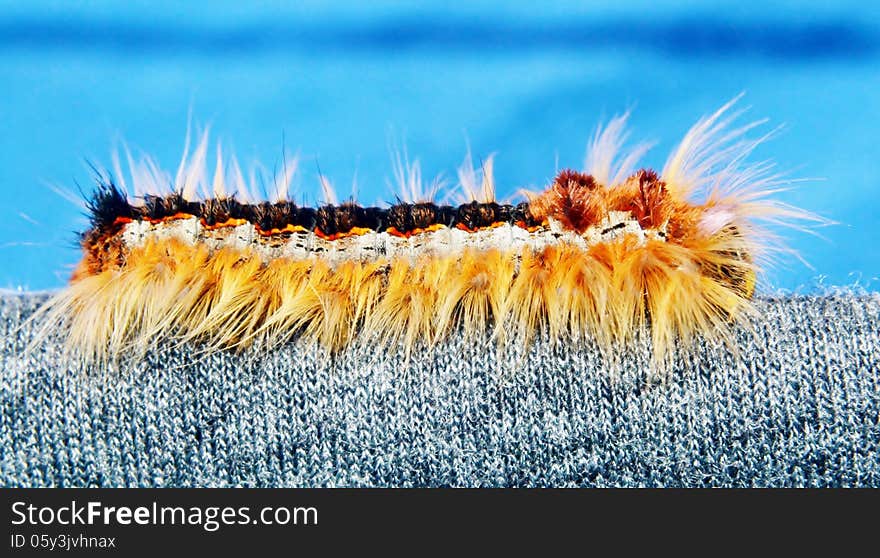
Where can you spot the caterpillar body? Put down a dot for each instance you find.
(600, 254)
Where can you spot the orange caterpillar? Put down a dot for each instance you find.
(601, 254)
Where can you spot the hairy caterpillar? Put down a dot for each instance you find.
(602, 254)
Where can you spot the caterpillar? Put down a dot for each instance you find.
(606, 254)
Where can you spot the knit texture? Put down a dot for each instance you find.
(800, 406)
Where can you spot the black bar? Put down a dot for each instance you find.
(415, 522)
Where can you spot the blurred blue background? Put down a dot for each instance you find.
(339, 82)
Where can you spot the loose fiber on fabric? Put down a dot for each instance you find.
(800, 406)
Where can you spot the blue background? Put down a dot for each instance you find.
(340, 82)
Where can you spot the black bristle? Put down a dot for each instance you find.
(348, 216)
(262, 216)
(151, 208)
(107, 204)
(522, 213)
(306, 217)
(193, 208)
(504, 214)
(399, 216)
(236, 210)
(423, 215)
(374, 218)
(212, 212)
(161, 207)
(446, 215)
(475, 214)
(326, 219)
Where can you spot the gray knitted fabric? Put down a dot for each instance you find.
(802, 407)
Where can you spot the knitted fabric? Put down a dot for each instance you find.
(799, 406)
